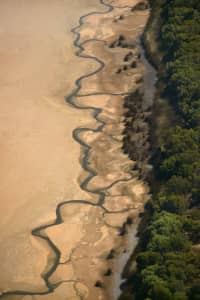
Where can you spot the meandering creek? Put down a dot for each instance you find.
(73, 245)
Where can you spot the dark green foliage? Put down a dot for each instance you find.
(168, 260)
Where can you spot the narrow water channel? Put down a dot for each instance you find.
(148, 89)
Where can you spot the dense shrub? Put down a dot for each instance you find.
(168, 260)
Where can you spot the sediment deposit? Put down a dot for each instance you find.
(69, 193)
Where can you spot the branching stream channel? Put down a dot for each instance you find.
(104, 225)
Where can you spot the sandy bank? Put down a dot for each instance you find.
(43, 162)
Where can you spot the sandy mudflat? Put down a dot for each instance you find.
(39, 158)
(41, 164)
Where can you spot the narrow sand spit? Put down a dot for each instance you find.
(76, 204)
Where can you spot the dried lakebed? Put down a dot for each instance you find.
(88, 236)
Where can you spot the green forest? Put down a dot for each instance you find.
(168, 254)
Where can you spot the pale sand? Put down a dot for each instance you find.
(39, 158)
(41, 166)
